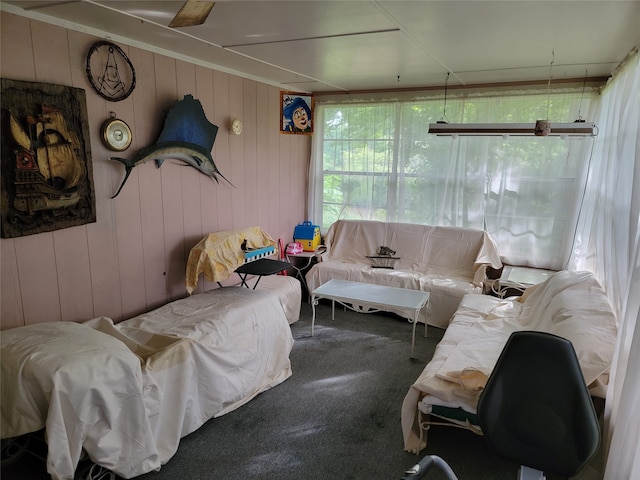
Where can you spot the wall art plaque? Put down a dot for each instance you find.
(47, 175)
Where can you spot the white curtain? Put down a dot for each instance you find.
(375, 161)
(608, 243)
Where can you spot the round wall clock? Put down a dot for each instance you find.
(110, 71)
(236, 126)
(116, 134)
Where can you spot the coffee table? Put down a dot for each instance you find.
(370, 298)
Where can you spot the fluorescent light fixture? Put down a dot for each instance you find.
(515, 129)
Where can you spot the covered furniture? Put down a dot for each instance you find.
(219, 254)
(569, 304)
(448, 262)
(126, 393)
(535, 408)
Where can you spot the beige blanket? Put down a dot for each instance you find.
(219, 254)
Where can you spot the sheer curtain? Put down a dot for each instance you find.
(375, 161)
(608, 243)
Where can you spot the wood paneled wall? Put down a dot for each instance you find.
(133, 258)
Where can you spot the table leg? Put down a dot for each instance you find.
(413, 335)
(333, 309)
(313, 309)
(243, 280)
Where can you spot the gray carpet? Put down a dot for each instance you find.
(337, 416)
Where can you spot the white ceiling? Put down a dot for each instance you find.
(341, 46)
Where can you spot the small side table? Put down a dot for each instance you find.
(520, 278)
(261, 267)
(303, 260)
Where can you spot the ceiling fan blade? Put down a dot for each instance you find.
(193, 12)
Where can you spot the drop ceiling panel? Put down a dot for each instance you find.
(358, 45)
(246, 22)
(338, 61)
(489, 35)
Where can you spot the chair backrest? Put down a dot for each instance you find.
(536, 409)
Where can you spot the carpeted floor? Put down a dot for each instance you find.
(337, 417)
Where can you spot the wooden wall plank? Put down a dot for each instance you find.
(11, 312)
(262, 158)
(274, 159)
(208, 187)
(39, 283)
(128, 210)
(171, 174)
(51, 60)
(101, 235)
(17, 55)
(249, 112)
(148, 119)
(70, 244)
(191, 184)
(221, 150)
(237, 150)
(17, 63)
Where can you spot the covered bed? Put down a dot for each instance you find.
(126, 393)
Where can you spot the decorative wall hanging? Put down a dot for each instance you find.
(296, 113)
(187, 135)
(47, 175)
(236, 126)
(110, 71)
(116, 134)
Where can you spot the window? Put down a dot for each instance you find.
(376, 161)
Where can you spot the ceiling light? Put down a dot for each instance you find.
(511, 129)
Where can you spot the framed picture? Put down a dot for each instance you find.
(47, 175)
(296, 113)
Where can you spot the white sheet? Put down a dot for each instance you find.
(86, 388)
(239, 345)
(127, 393)
(572, 305)
(288, 290)
(448, 262)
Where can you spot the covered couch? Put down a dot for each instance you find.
(448, 262)
(570, 304)
(127, 393)
(217, 255)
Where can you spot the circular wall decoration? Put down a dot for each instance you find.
(110, 71)
(116, 134)
(236, 126)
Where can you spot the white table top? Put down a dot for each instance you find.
(524, 275)
(371, 294)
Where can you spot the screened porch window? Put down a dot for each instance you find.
(375, 161)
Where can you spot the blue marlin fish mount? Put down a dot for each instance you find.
(187, 135)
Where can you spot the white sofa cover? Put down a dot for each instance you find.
(445, 261)
(569, 304)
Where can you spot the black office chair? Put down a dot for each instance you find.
(535, 408)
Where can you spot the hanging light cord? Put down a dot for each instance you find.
(553, 57)
(444, 110)
(584, 83)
